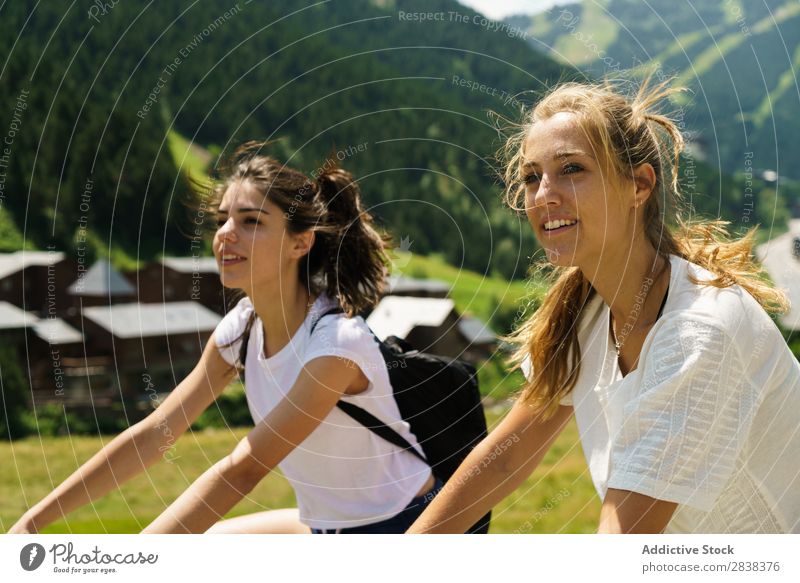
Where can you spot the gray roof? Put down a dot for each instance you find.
(191, 264)
(56, 331)
(102, 280)
(52, 330)
(144, 320)
(398, 315)
(401, 284)
(10, 263)
(11, 317)
(784, 269)
(475, 331)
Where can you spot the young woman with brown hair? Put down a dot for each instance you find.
(658, 342)
(299, 250)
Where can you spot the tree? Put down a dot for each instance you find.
(13, 390)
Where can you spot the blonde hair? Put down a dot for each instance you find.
(625, 133)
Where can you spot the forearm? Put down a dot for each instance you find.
(123, 458)
(495, 468)
(206, 501)
(484, 479)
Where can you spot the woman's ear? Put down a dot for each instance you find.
(302, 243)
(644, 179)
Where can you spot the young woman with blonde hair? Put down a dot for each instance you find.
(308, 259)
(657, 341)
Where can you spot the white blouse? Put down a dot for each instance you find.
(710, 418)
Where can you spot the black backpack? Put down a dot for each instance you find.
(437, 396)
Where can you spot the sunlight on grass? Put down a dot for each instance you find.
(557, 497)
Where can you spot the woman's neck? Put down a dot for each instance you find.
(632, 284)
(282, 310)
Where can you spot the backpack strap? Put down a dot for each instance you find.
(378, 427)
(367, 419)
(245, 337)
(361, 416)
(336, 310)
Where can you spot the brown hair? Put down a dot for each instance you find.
(625, 133)
(348, 258)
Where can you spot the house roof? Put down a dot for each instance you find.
(400, 284)
(144, 320)
(11, 317)
(10, 263)
(101, 280)
(52, 330)
(783, 267)
(398, 315)
(56, 331)
(475, 331)
(191, 264)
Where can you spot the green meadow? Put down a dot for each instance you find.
(557, 498)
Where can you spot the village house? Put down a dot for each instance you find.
(36, 281)
(153, 346)
(177, 279)
(432, 325)
(101, 285)
(87, 343)
(420, 288)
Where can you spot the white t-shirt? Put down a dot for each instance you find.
(710, 418)
(342, 473)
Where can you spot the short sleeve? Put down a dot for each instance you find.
(228, 332)
(681, 433)
(349, 338)
(527, 370)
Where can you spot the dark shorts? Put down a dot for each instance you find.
(397, 524)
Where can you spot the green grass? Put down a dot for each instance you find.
(190, 158)
(11, 239)
(765, 111)
(703, 62)
(595, 32)
(490, 298)
(557, 497)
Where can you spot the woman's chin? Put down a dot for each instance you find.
(560, 257)
(228, 281)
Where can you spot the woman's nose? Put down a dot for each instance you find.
(226, 231)
(546, 194)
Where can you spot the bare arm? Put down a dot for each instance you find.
(318, 388)
(136, 448)
(626, 512)
(494, 469)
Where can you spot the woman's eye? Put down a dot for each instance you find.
(252, 221)
(531, 178)
(221, 222)
(572, 169)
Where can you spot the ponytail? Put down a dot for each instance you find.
(348, 249)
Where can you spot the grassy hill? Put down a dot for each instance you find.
(104, 102)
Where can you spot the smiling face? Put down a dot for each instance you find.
(577, 210)
(252, 246)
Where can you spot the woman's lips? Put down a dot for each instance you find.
(231, 259)
(558, 226)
